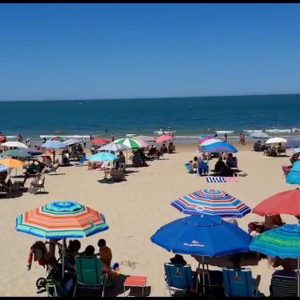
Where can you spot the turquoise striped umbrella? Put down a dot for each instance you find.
(132, 143)
(61, 219)
(283, 242)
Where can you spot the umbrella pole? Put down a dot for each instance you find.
(298, 275)
(203, 276)
(63, 258)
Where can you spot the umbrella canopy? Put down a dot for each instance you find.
(163, 139)
(219, 147)
(114, 147)
(12, 163)
(211, 201)
(276, 140)
(202, 235)
(132, 143)
(34, 151)
(100, 142)
(103, 156)
(57, 138)
(293, 176)
(203, 139)
(70, 142)
(61, 219)
(287, 202)
(20, 153)
(210, 141)
(283, 242)
(259, 135)
(296, 150)
(3, 168)
(14, 144)
(53, 145)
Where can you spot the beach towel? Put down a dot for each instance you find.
(219, 179)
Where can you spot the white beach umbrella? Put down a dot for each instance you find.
(276, 140)
(259, 134)
(14, 144)
(114, 147)
(210, 141)
(72, 141)
(296, 150)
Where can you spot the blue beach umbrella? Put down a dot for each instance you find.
(55, 145)
(203, 235)
(219, 147)
(293, 176)
(103, 156)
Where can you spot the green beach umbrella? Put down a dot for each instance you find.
(132, 143)
(19, 153)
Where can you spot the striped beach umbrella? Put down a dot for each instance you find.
(283, 242)
(61, 219)
(132, 143)
(213, 202)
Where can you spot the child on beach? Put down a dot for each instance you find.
(105, 254)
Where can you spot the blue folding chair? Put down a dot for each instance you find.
(239, 283)
(82, 160)
(178, 278)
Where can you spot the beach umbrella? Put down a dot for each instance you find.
(219, 147)
(296, 150)
(100, 142)
(212, 202)
(163, 139)
(132, 143)
(113, 147)
(276, 140)
(71, 141)
(3, 168)
(19, 153)
(293, 176)
(103, 156)
(61, 220)
(34, 151)
(57, 138)
(14, 144)
(259, 135)
(210, 141)
(54, 145)
(203, 139)
(287, 202)
(282, 242)
(202, 235)
(12, 163)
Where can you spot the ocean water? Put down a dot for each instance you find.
(190, 116)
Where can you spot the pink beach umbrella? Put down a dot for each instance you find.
(163, 139)
(204, 139)
(210, 141)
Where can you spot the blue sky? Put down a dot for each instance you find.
(98, 51)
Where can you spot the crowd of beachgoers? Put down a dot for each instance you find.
(118, 160)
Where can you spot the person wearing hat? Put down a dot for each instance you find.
(178, 260)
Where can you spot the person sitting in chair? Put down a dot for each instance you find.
(257, 146)
(171, 148)
(163, 149)
(178, 260)
(219, 166)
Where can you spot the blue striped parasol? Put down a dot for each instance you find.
(213, 202)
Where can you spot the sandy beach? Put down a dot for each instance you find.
(134, 210)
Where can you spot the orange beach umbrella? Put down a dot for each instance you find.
(12, 163)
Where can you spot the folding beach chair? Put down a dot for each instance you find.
(89, 274)
(283, 286)
(239, 283)
(178, 278)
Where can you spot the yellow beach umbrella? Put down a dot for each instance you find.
(12, 163)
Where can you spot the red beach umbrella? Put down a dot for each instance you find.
(163, 139)
(287, 202)
(100, 142)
